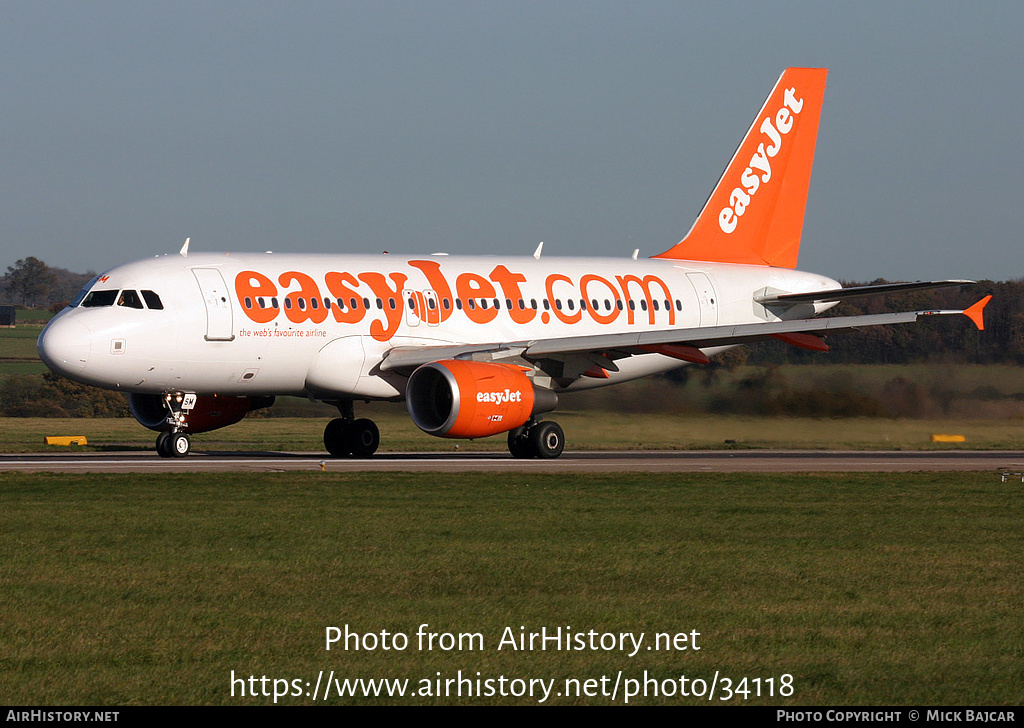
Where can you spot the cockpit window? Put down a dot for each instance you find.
(99, 298)
(152, 300)
(129, 299)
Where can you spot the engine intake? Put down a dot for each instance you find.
(468, 399)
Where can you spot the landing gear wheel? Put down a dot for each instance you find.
(547, 440)
(364, 438)
(163, 445)
(180, 444)
(519, 443)
(337, 439)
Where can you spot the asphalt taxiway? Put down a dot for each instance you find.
(722, 461)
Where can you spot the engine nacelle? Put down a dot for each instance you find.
(210, 412)
(467, 399)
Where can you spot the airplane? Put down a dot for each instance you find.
(475, 345)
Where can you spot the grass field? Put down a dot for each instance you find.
(584, 431)
(866, 589)
(36, 316)
(20, 341)
(18, 350)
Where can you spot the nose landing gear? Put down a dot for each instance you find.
(173, 443)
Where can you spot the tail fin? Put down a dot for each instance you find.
(756, 212)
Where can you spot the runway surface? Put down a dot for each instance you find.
(721, 461)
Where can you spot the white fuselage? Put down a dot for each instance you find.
(321, 325)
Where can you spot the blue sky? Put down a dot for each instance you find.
(486, 127)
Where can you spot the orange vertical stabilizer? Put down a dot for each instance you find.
(756, 212)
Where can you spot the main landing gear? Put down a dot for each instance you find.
(174, 443)
(536, 440)
(346, 436)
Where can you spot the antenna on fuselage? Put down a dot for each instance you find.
(636, 252)
(184, 249)
(536, 253)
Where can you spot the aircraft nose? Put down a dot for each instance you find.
(64, 345)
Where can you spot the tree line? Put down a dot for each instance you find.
(31, 283)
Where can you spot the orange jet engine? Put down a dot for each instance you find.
(469, 399)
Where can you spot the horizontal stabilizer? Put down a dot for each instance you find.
(843, 294)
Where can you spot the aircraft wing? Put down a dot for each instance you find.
(804, 333)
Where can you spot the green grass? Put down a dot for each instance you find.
(867, 589)
(584, 431)
(18, 353)
(19, 343)
(37, 316)
(7, 366)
